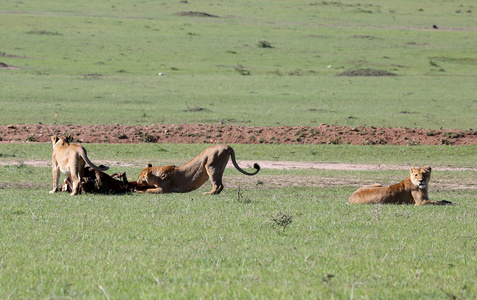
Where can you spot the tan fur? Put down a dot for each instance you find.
(413, 190)
(69, 159)
(210, 164)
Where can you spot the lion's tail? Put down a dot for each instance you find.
(255, 165)
(86, 159)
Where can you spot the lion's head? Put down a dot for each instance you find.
(143, 177)
(420, 177)
(151, 176)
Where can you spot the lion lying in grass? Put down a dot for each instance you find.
(210, 164)
(413, 190)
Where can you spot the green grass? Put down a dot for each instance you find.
(194, 246)
(162, 154)
(86, 62)
(227, 246)
(108, 56)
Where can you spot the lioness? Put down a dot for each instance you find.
(413, 190)
(69, 159)
(209, 164)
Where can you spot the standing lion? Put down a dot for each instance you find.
(69, 159)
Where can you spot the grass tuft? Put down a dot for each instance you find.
(366, 72)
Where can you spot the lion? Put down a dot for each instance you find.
(210, 164)
(71, 160)
(412, 190)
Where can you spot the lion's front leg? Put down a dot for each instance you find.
(158, 190)
(433, 202)
(55, 171)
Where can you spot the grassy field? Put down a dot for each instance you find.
(229, 246)
(106, 57)
(204, 247)
(259, 63)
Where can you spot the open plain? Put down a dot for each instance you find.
(326, 95)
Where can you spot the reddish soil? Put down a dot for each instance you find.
(212, 134)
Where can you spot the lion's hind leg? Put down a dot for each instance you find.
(363, 194)
(215, 175)
(217, 185)
(76, 177)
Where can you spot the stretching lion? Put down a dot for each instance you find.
(69, 159)
(413, 190)
(210, 164)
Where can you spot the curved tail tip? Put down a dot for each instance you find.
(103, 167)
(256, 166)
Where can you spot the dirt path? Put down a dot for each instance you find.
(264, 164)
(229, 134)
(280, 181)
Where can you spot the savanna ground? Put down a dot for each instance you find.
(213, 134)
(325, 95)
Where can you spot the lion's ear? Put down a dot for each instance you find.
(69, 138)
(149, 165)
(54, 139)
(163, 176)
(412, 170)
(428, 168)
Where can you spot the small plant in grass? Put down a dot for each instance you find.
(43, 32)
(433, 63)
(240, 197)
(368, 142)
(195, 109)
(366, 72)
(334, 140)
(297, 72)
(327, 278)
(282, 220)
(264, 44)
(31, 138)
(147, 138)
(446, 142)
(451, 135)
(242, 71)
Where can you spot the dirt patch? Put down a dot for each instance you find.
(264, 164)
(366, 72)
(282, 181)
(196, 14)
(229, 134)
(5, 66)
(3, 54)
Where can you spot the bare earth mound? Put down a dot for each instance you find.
(212, 134)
